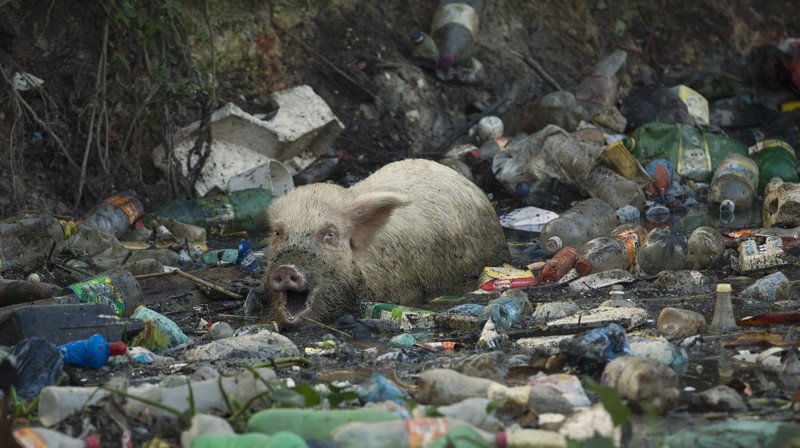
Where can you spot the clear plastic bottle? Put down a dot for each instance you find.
(736, 179)
(603, 183)
(632, 237)
(27, 240)
(662, 251)
(723, 321)
(506, 309)
(424, 48)
(704, 248)
(600, 86)
(455, 29)
(601, 254)
(406, 433)
(588, 219)
(676, 323)
(114, 215)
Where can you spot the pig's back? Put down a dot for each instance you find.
(437, 243)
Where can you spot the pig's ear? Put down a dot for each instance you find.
(368, 213)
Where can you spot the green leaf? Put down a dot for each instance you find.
(312, 397)
(339, 395)
(620, 27)
(287, 398)
(620, 413)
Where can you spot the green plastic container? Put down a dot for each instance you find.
(240, 210)
(775, 158)
(119, 289)
(737, 434)
(252, 440)
(695, 153)
(313, 424)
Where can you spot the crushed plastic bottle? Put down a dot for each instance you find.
(455, 29)
(588, 219)
(118, 288)
(506, 309)
(115, 215)
(662, 251)
(601, 254)
(704, 248)
(677, 324)
(601, 86)
(603, 183)
(28, 240)
(647, 384)
(423, 48)
(736, 180)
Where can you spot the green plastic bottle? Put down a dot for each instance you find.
(240, 210)
(281, 439)
(118, 288)
(313, 424)
(775, 158)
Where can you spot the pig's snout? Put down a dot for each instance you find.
(287, 278)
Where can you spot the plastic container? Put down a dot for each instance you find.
(162, 332)
(13, 292)
(632, 238)
(559, 265)
(92, 352)
(47, 438)
(247, 258)
(662, 251)
(506, 309)
(588, 219)
(28, 240)
(60, 324)
(646, 384)
(723, 321)
(416, 432)
(313, 424)
(115, 215)
(601, 254)
(281, 439)
(119, 289)
(455, 30)
(475, 411)
(594, 348)
(239, 210)
(677, 324)
(600, 86)
(59, 402)
(423, 48)
(704, 248)
(775, 158)
(736, 179)
(603, 183)
(445, 386)
(765, 288)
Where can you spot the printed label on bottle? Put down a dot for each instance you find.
(458, 13)
(424, 431)
(765, 144)
(127, 206)
(741, 167)
(694, 158)
(99, 290)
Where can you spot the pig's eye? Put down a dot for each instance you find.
(329, 235)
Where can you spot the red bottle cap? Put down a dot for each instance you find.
(91, 441)
(446, 61)
(583, 267)
(117, 348)
(500, 440)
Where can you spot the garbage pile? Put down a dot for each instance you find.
(658, 309)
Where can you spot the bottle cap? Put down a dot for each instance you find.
(724, 287)
(446, 61)
(553, 244)
(727, 206)
(69, 228)
(117, 348)
(415, 34)
(91, 442)
(583, 267)
(500, 440)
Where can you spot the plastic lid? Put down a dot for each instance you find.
(724, 287)
(415, 34)
(446, 61)
(583, 267)
(117, 348)
(553, 244)
(500, 440)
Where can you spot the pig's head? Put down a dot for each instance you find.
(319, 233)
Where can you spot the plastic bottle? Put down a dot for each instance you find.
(424, 48)
(628, 214)
(603, 183)
(455, 29)
(601, 254)
(704, 248)
(736, 179)
(313, 424)
(319, 171)
(600, 86)
(114, 215)
(401, 433)
(632, 237)
(27, 240)
(775, 158)
(677, 324)
(445, 386)
(723, 311)
(661, 251)
(238, 210)
(506, 309)
(588, 219)
(118, 288)
(647, 384)
(48, 438)
(281, 439)
(559, 265)
(93, 352)
(247, 258)
(13, 292)
(475, 411)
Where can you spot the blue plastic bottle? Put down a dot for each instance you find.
(505, 310)
(93, 352)
(247, 258)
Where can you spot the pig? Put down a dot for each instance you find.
(411, 228)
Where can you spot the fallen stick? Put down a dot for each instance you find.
(538, 69)
(197, 280)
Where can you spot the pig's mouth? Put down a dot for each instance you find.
(296, 304)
